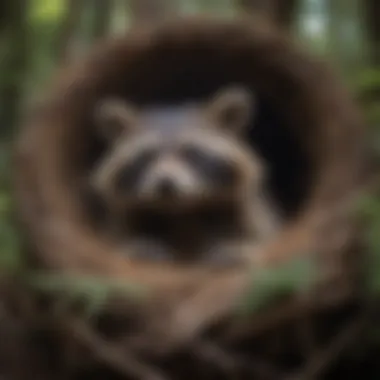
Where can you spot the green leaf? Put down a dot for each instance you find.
(91, 290)
(47, 10)
(368, 79)
(270, 284)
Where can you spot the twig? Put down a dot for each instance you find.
(280, 315)
(214, 354)
(260, 367)
(115, 356)
(306, 334)
(319, 362)
(231, 363)
(306, 337)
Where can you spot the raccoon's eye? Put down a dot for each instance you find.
(216, 169)
(129, 175)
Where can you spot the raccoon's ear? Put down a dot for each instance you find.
(115, 117)
(231, 109)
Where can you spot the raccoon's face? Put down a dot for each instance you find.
(179, 156)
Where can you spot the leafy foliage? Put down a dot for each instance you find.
(275, 283)
(368, 79)
(90, 292)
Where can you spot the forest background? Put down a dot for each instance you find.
(36, 36)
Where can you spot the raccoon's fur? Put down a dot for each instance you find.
(181, 179)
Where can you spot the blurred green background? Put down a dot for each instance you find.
(38, 35)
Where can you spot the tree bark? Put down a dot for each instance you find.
(102, 18)
(281, 12)
(3, 13)
(286, 12)
(14, 64)
(345, 37)
(68, 30)
(372, 20)
(152, 10)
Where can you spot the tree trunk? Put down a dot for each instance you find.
(152, 10)
(14, 64)
(68, 30)
(3, 15)
(372, 20)
(281, 12)
(345, 39)
(286, 12)
(102, 18)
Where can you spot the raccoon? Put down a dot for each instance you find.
(181, 179)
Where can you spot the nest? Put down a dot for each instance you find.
(311, 136)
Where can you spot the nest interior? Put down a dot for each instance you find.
(306, 128)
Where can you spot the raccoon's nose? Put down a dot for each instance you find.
(166, 187)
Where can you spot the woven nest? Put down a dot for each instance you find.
(185, 322)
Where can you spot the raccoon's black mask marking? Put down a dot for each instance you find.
(130, 174)
(216, 170)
